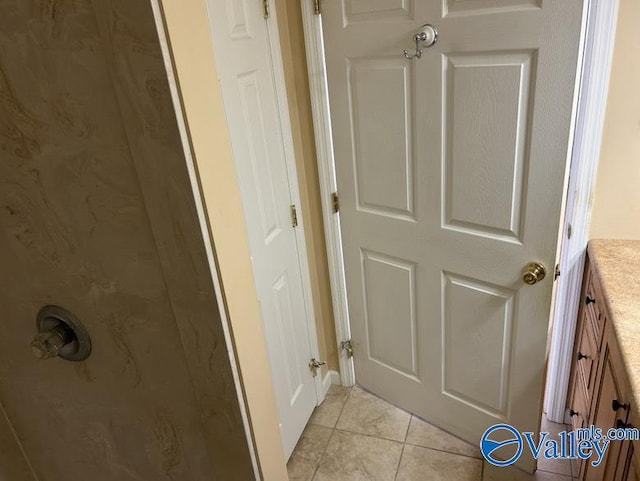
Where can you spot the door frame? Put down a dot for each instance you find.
(280, 91)
(318, 88)
(277, 66)
(596, 47)
(589, 123)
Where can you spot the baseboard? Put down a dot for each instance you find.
(567, 418)
(331, 377)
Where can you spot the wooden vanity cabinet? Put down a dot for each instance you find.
(598, 389)
(608, 391)
(626, 465)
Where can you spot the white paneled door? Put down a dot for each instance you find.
(450, 170)
(266, 177)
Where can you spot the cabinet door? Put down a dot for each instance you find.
(579, 411)
(632, 474)
(605, 417)
(625, 467)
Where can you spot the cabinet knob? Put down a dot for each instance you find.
(582, 356)
(572, 413)
(620, 424)
(617, 405)
(589, 300)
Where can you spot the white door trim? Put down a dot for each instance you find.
(273, 34)
(598, 54)
(326, 169)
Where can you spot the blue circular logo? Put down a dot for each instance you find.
(489, 444)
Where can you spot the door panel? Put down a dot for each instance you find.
(475, 7)
(477, 357)
(384, 175)
(450, 171)
(254, 131)
(243, 59)
(486, 127)
(374, 10)
(390, 293)
(97, 215)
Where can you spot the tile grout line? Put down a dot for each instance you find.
(333, 430)
(335, 426)
(404, 444)
(406, 434)
(554, 472)
(324, 451)
(399, 461)
(410, 444)
(411, 416)
(370, 436)
(446, 452)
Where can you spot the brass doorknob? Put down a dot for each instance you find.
(533, 272)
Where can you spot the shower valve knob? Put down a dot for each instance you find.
(60, 334)
(48, 344)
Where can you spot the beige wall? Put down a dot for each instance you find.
(194, 61)
(188, 32)
(295, 65)
(616, 212)
(294, 61)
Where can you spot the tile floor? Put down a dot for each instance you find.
(355, 436)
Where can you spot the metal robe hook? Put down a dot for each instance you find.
(426, 38)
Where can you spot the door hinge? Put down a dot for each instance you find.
(347, 346)
(265, 8)
(556, 272)
(314, 365)
(317, 8)
(335, 202)
(294, 216)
